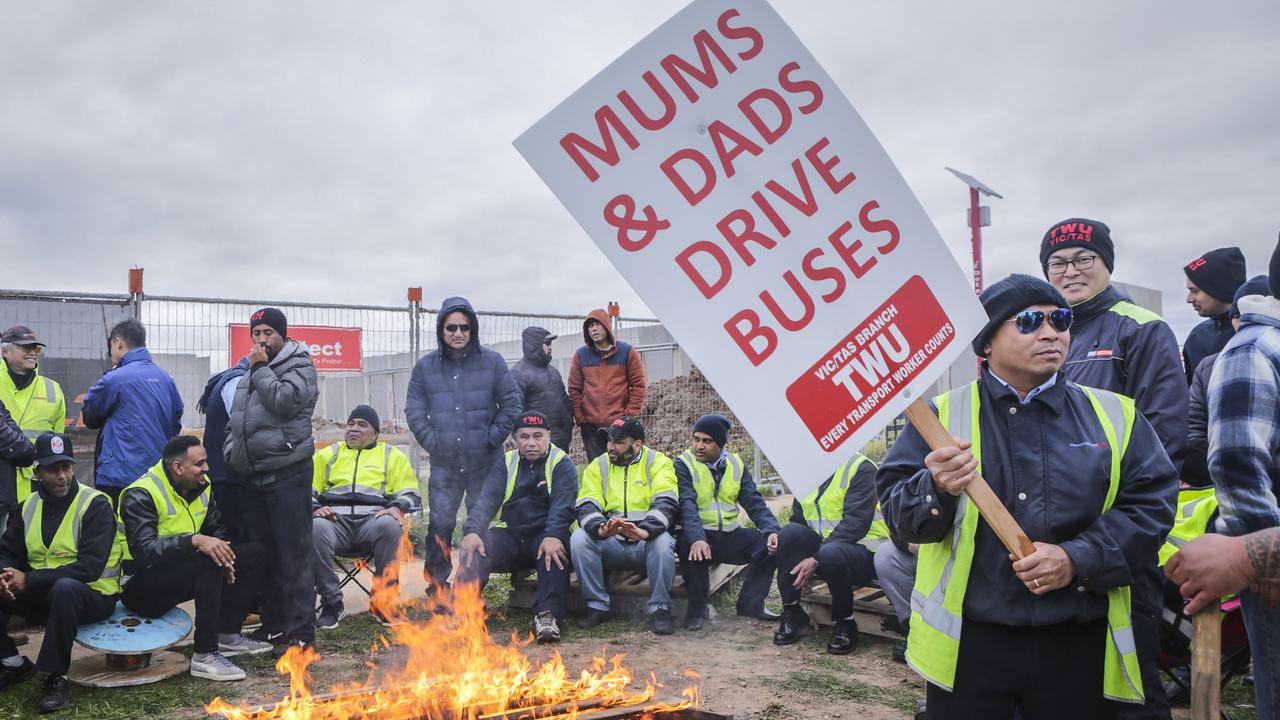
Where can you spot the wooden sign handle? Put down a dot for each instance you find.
(1206, 664)
(983, 497)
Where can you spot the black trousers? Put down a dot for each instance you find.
(843, 565)
(446, 489)
(280, 515)
(510, 552)
(66, 606)
(233, 501)
(1042, 673)
(220, 608)
(743, 546)
(593, 441)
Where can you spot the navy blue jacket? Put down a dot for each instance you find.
(462, 408)
(859, 507)
(531, 511)
(1049, 462)
(542, 388)
(138, 407)
(1118, 346)
(748, 497)
(1207, 338)
(15, 451)
(217, 415)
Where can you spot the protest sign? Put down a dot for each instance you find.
(735, 187)
(333, 349)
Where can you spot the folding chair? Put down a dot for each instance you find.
(1177, 631)
(349, 567)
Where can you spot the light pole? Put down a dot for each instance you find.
(979, 217)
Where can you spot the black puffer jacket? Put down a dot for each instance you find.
(461, 408)
(270, 426)
(542, 387)
(15, 451)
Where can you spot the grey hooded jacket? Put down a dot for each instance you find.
(270, 426)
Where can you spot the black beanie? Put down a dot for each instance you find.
(1255, 286)
(1218, 272)
(367, 414)
(1082, 233)
(1010, 296)
(272, 318)
(1274, 272)
(715, 425)
(532, 419)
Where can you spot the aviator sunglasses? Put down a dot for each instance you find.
(455, 327)
(1029, 321)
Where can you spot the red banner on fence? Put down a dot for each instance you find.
(333, 349)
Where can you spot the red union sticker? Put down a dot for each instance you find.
(872, 364)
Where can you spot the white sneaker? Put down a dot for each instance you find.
(213, 666)
(233, 645)
(545, 627)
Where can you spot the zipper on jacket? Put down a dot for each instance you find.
(715, 498)
(351, 510)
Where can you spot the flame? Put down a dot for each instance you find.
(456, 670)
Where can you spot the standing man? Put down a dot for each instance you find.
(607, 380)
(1212, 281)
(34, 401)
(59, 566)
(177, 550)
(1244, 462)
(833, 534)
(230, 490)
(461, 406)
(627, 505)
(713, 485)
(1118, 346)
(269, 442)
(521, 522)
(364, 487)
(1083, 473)
(541, 386)
(137, 407)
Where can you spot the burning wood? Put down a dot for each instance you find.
(491, 682)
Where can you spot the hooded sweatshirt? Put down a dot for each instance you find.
(461, 406)
(605, 385)
(542, 388)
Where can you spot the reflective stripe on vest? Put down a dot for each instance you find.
(345, 487)
(1195, 508)
(649, 456)
(824, 509)
(942, 574)
(554, 456)
(39, 414)
(64, 549)
(174, 515)
(717, 502)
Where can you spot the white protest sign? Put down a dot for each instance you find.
(733, 185)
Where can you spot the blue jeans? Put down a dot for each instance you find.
(592, 557)
(1263, 625)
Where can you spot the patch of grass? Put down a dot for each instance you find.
(161, 699)
(777, 711)
(1239, 701)
(812, 683)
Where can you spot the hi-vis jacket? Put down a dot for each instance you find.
(710, 497)
(528, 498)
(644, 492)
(39, 407)
(156, 521)
(360, 481)
(1076, 467)
(72, 537)
(1197, 508)
(844, 508)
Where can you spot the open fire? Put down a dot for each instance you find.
(455, 670)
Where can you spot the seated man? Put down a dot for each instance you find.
(363, 490)
(521, 522)
(59, 565)
(175, 549)
(713, 483)
(627, 503)
(832, 534)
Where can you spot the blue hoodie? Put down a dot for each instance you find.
(138, 407)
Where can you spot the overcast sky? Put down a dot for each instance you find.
(345, 151)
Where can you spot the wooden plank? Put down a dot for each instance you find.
(1206, 664)
(93, 672)
(983, 497)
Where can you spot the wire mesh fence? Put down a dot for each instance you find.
(194, 338)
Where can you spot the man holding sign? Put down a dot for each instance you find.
(1082, 473)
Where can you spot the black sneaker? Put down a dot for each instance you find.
(330, 616)
(792, 626)
(900, 652)
(282, 646)
(662, 622)
(760, 613)
(10, 676)
(262, 634)
(845, 637)
(693, 623)
(545, 627)
(55, 694)
(593, 618)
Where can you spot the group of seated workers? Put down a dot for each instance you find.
(64, 555)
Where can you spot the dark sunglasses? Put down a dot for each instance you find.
(1029, 321)
(455, 327)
